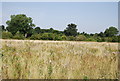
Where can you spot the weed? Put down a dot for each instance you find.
(28, 59)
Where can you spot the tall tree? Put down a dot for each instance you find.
(111, 31)
(71, 30)
(20, 23)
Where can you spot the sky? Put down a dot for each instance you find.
(90, 17)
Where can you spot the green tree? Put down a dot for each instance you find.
(2, 27)
(71, 30)
(111, 31)
(20, 23)
(37, 30)
(85, 34)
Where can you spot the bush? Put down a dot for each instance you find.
(18, 36)
(47, 36)
(36, 37)
(108, 39)
(63, 37)
(80, 38)
(115, 39)
(6, 35)
(57, 37)
(91, 39)
(99, 39)
(71, 38)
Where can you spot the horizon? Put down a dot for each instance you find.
(90, 17)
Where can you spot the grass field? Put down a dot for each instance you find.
(34, 59)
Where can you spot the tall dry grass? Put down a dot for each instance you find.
(28, 59)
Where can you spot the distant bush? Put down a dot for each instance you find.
(6, 35)
(57, 37)
(80, 38)
(115, 39)
(71, 38)
(63, 37)
(112, 39)
(18, 36)
(36, 37)
(47, 36)
(108, 39)
(99, 39)
(91, 39)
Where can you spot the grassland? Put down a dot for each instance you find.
(29, 59)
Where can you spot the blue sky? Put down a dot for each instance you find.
(90, 17)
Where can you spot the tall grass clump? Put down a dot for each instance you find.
(35, 59)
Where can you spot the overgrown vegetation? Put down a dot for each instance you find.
(21, 27)
(33, 59)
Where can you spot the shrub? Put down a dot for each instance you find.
(70, 38)
(80, 38)
(36, 37)
(63, 37)
(6, 35)
(57, 37)
(18, 36)
(91, 39)
(115, 39)
(47, 36)
(99, 39)
(108, 39)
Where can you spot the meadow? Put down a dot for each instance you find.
(37, 59)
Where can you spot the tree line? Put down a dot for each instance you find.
(21, 27)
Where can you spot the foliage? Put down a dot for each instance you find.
(18, 35)
(6, 35)
(91, 39)
(71, 30)
(37, 30)
(100, 39)
(111, 31)
(2, 27)
(23, 24)
(108, 39)
(101, 34)
(36, 37)
(57, 37)
(80, 38)
(115, 39)
(47, 36)
(71, 38)
(20, 23)
(63, 37)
